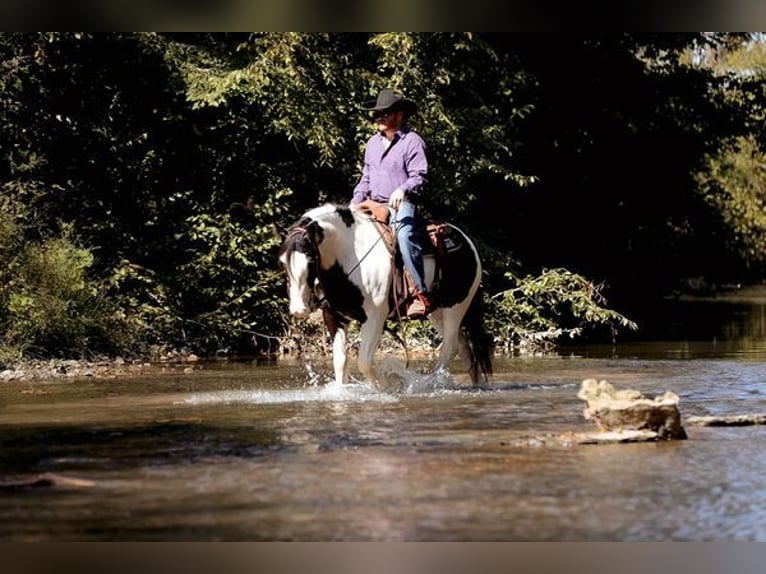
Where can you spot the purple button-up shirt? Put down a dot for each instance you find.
(400, 165)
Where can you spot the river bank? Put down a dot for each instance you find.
(106, 368)
(183, 361)
(755, 294)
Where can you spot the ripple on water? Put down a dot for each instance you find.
(329, 393)
(395, 381)
(417, 459)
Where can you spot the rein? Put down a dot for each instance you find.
(318, 288)
(358, 263)
(305, 231)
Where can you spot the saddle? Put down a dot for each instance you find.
(444, 241)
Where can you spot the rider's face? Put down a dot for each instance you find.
(388, 120)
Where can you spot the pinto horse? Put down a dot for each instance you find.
(336, 256)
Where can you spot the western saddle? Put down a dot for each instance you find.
(443, 240)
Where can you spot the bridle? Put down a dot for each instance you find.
(332, 316)
(314, 278)
(313, 257)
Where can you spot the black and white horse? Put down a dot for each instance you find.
(336, 255)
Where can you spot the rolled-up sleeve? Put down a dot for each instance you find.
(362, 189)
(415, 163)
(363, 186)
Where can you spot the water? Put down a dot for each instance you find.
(273, 452)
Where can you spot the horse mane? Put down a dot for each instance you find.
(310, 222)
(329, 211)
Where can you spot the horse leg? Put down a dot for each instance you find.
(340, 355)
(450, 332)
(436, 321)
(371, 331)
(464, 350)
(463, 347)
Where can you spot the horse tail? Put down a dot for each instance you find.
(480, 343)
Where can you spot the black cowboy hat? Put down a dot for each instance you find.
(393, 101)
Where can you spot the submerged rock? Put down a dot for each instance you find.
(46, 480)
(628, 410)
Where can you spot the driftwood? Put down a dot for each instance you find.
(728, 420)
(572, 439)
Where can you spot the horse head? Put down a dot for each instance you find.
(300, 258)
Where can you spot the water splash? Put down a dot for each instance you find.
(395, 374)
(436, 381)
(395, 381)
(314, 392)
(314, 378)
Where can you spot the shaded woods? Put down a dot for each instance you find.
(146, 178)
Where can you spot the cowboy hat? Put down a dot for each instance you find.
(391, 100)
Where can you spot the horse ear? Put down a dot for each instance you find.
(316, 233)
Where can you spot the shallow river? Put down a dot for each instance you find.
(239, 451)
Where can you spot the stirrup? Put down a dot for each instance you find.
(420, 307)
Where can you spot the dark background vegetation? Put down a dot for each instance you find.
(146, 178)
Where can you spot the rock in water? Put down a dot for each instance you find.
(614, 410)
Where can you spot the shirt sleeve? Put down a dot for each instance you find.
(416, 164)
(362, 189)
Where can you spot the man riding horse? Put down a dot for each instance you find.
(394, 173)
(337, 256)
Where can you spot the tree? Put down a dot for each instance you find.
(175, 159)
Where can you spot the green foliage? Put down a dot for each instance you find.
(733, 183)
(49, 304)
(232, 287)
(223, 293)
(301, 86)
(151, 183)
(536, 312)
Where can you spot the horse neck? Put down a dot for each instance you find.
(348, 245)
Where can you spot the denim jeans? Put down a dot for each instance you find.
(409, 236)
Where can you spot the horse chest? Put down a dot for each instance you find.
(344, 297)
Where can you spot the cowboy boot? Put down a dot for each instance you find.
(420, 307)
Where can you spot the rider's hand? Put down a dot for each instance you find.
(396, 198)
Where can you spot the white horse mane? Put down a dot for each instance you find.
(332, 218)
(322, 211)
(330, 211)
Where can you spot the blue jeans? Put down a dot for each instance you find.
(409, 236)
